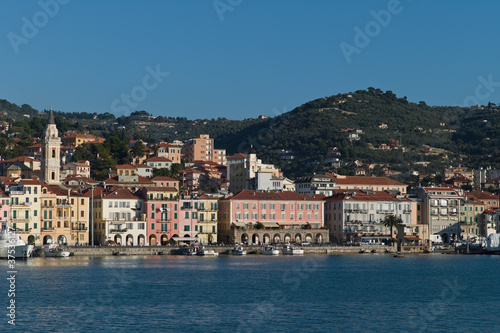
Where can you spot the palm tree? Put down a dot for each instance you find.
(392, 221)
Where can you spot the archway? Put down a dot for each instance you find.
(140, 240)
(210, 239)
(118, 239)
(309, 238)
(244, 239)
(276, 239)
(152, 240)
(47, 240)
(129, 240)
(266, 239)
(319, 238)
(187, 235)
(287, 238)
(31, 239)
(62, 239)
(298, 238)
(445, 238)
(255, 239)
(164, 239)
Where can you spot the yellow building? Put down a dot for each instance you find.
(78, 139)
(207, 219)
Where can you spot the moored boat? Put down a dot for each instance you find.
(11, 244)
(271, 250)
(288, 249)
(204, 252)
(55, 250)
(238, 250)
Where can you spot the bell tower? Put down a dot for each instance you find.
(51, 153)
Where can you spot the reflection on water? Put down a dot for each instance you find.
(255, 293)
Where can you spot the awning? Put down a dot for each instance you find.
(239, 224)
(186, 239)
(412, 238)
(270, 224)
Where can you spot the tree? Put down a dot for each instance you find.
(392, 221)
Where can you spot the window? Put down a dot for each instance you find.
(152, 215)
(35, 213)
(82, 213)
(186, 215)
(175, 226)
(186, 228)
(152, 226)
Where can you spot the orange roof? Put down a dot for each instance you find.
(236, 156)
(161, 189)
(121, 193)
(158, 159)
(164, 178)
(125, 166)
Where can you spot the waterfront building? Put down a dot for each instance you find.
(472, 210)
(441, 211)
(207, 219)
(4, 207)
(355, 214)
(188, 216)
(119, 217)
(271, 217)
(25, 210)
(162, 215)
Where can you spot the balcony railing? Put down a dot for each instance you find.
(78, 228)
(406, 211)
(48, 228)
(384, 211)
(22, 231)
(160, 231)
(118, 230)
(63, 206)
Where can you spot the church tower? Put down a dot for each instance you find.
(51, 152)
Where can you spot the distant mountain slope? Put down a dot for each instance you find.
(386, 124)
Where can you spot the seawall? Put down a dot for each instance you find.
(154, 250)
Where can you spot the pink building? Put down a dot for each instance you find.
(188, 217)
(4, 208)
(162, 220)
(271, 217)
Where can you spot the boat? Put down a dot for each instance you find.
(271, 250)
(288, 249)
(238, 250)
(189, 251)
(55, 250)
(399, 255)
(11, 244)
(204, 252)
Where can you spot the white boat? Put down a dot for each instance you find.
(55, 250)
(271, 250)
(204, 252)
(11, 244)
(189, 251)
(238, 250)
(288, 249)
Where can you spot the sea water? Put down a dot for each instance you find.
(311, 293)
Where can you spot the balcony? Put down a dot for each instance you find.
(114, 231)
(63, 206)
(79, 229)
(48, 228)
(406, 211)
(160, 231)
(22, 231)
(14, 192)
(383, 211)
(165, 221)
(186, 207)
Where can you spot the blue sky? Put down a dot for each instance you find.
(244, 58)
